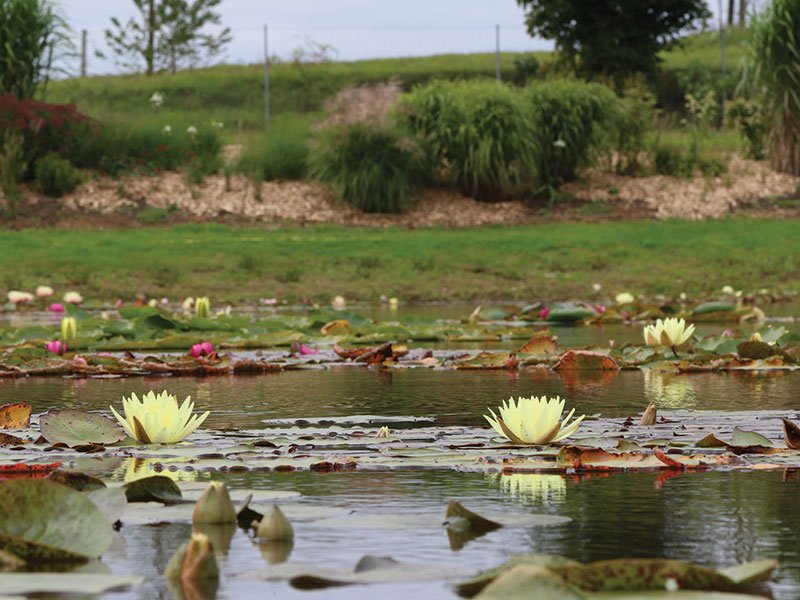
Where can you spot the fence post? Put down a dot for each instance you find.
(266, 78)
(83, 53)
(497, 52)
(722, 42)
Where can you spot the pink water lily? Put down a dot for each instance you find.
(201, 349)
(543, 313)
(56, 307)
(56, 347)
(308, 349)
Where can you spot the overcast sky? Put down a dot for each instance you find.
(355, 28)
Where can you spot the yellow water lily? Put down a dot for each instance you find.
(69, 329)
(669, 332)
(157, 419)
(533, 420)
(202, 307)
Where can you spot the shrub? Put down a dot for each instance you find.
(372, 168)
(12, 167)
(33, 35)
(632, 121)
(678, 160)
(279, 154)
(526, 67)
(56, 176)
(569, 118)
(748, 118)
(46, 128)
(479, 133)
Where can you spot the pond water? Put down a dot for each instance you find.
(715, 518)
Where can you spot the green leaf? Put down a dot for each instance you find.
(749, 438)
(523, 582)
(45, 521)
(156, 488)
(77, 428)
(64, 583)
(712, 307)
(569, 314)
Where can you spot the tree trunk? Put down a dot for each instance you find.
(151, 33)
(731, 11)
(742, 12)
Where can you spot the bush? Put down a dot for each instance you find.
(372, 168)
(12, 166)
(633, 119)
(569, 118)
(56, 176)
(747, 116)
(46, 128)
(677, 160)
(280, 154)
(479, 132)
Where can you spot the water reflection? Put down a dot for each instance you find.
(669, 390)
(132, 469)
(533, 488)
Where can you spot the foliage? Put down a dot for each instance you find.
(526, 66)
(773, 77)
(480, 133)
(680, 160)
(12, 167)
(612, 37)
(633, 120)
(45, 128)
(279, 153)
(373, 168)
(568, 118)
(748, 118)
(56, 176)
(168, 35)
(33, 35)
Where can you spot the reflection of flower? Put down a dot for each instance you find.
(669, 332)
(157, 419)
(534, 486)
(668, 390)
(533, 420)
(56, 307)
(138, 468)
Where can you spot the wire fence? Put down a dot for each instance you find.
(345, 44)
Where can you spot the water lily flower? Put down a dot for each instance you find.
(305, 350)
(202, 307)
(597, 287)
(339, 303)
(201, 349)
(56, 307)
(393, 303)
(79, 362)
(533, 420)
(727, 289)
(18, 297)
(157, 419)
(44, 291)
(624, 298)
(73, 298)
(56, 347)
(167, 129)
(544, 313)
(669, 332)
(69, 328)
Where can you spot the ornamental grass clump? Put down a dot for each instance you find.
(480, 134)
(373, 167)
(533, 421)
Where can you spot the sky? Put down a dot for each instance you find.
(354, 28)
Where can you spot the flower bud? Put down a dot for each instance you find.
(275, 527)
(202, 308)
(215, 505)
(194, 560)
(69, 329)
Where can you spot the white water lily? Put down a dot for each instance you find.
(533, 420)
(157, 419)
(624, 298)
(73, 297)
(44, 291)
(18, 297)
(669, 332)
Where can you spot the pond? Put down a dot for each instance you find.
(713, 518)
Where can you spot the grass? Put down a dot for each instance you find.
(556, 261)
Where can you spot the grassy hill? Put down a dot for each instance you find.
(234, 94)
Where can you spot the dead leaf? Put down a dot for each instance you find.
(539, 344)
(15, 416)
(338, 327)
(585, 359)
(791, 434)
(649, 416)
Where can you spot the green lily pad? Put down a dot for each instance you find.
(46, 521)
(64, 583)
(713, 307)
(78, 428)
(156, 488)
(742, 438)
(523, 582)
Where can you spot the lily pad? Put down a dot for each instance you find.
(156, 488)
(78, 428)
(46, 521)
(15, 416)
(64, 583)
(749, 438)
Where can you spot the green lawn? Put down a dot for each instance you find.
(548, 262)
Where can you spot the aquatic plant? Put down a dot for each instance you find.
(533, 420)
(201, 349)
(73, 297)
(669, 332)
(624, 298)
(158, 419)
(44, 291)
(56, 347)
(69, 328)
(18, 297)
(202, 307)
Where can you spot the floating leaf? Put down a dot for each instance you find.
(155, 488)
(489, 360)
(64, 583)
(742, 438)
(15, 416)
(523, 582)
(471, 587)
(713, 307)
(77, 428)
(44, 521)
(77, 481)
(585, 360)
(539, 344)
(569, 314)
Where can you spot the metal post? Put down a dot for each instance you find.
(266, 78)
(83, 53)
(722, 42)
(497, 52)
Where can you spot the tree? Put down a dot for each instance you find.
(169, 34)
(612, 37)
(32, 37)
